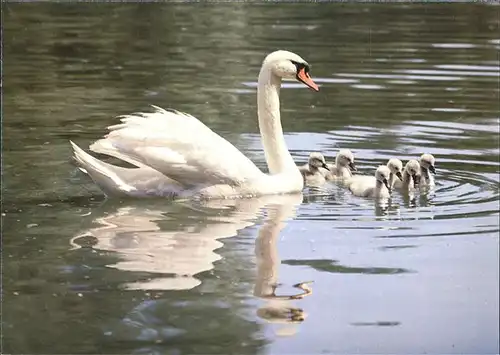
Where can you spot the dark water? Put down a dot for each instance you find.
(85, 275)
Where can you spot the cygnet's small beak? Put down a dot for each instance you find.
(416, 179)
(306, 79)
(324, 166)
(352, 166)
(399, 175)
(432, 169)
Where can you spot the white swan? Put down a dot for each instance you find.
(313, 172)
(366, 187)
(344, 163)
(411, 176)
(177, 155)
(427, 164)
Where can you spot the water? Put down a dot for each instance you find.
(86, 275)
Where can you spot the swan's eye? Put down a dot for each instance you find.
(300, 66)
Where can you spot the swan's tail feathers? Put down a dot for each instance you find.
(104, 146)
(103, 174)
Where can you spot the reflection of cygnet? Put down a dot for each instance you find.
(313, 172)
(344, 163)
(427, 164)
(366, 188)
(411, 176)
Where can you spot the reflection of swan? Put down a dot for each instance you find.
(193, 158)
(278, 308)
(134, 232)
(176, 253)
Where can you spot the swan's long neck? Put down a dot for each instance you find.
(268, 101)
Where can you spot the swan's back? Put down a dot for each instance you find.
(179, 146)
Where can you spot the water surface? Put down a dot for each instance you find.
(82, 274)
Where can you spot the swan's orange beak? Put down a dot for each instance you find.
(306, 79)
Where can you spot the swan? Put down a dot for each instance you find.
(366, 187)
(427, 164)
(411, 176)
(176, 155)
(312, 171)
(344, 163)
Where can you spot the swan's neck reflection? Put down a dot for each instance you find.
(277, 308)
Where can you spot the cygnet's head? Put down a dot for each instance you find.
(382, 174)
(345, 158)
(413, 168)
(288, 65)
(396, 167)
(317, 160)
(427, 161)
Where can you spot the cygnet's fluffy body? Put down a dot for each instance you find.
(368, 188)
(344, 163)
(411, 176)
(315, 170)
(427, 165)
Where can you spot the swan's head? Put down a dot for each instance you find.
(396, 167)
(382, 174)
(427, 161)
(317, 160)
(288, 65)
(413, 169)
(345, 158)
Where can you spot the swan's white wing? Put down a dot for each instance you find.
(179, 146)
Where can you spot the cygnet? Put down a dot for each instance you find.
(367, 188)
(344, 163)
(411, 176)
(396, 167)
(427, 164)
(313, 172)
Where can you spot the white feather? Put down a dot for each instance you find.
(179, 146)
